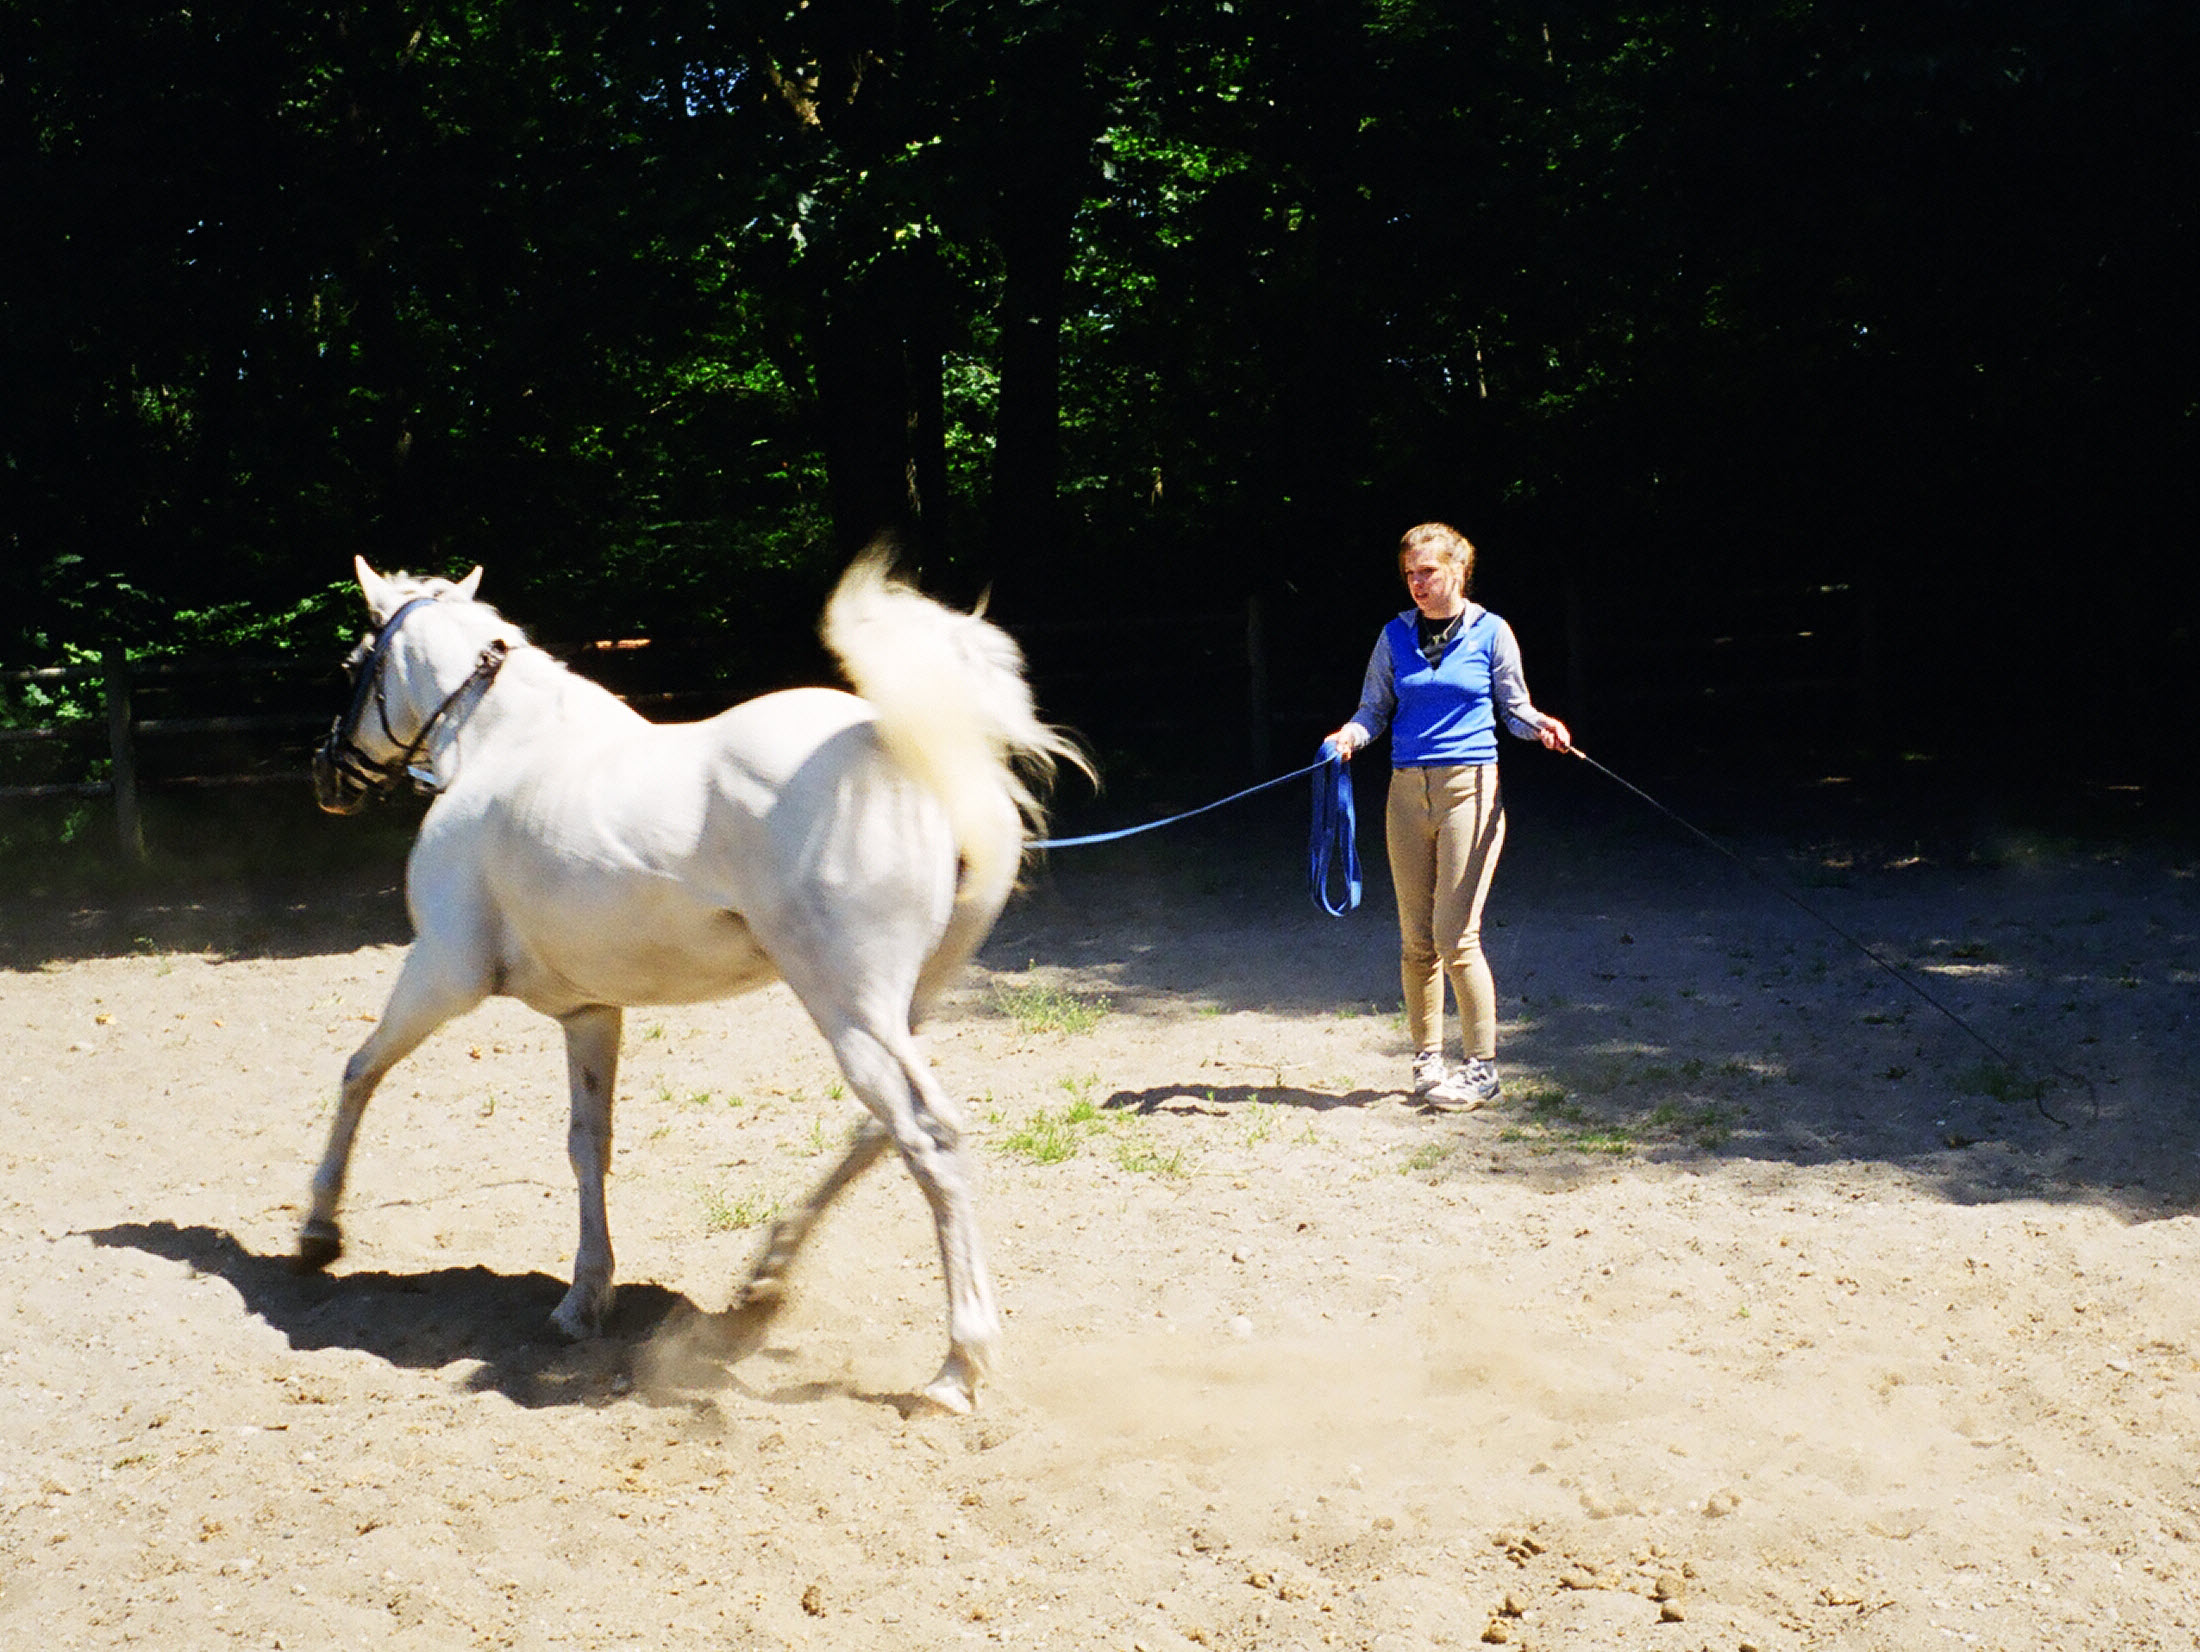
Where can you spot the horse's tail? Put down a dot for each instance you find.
(954, 710)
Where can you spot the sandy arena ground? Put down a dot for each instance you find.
(1765, 1310)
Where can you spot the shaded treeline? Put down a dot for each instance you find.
(1703, 318)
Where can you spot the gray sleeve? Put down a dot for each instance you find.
(1509, 685)
(1378, 696)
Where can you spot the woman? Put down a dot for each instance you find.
(1441, 675)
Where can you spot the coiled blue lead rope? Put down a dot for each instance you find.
(1334, 843)
(1333, 839)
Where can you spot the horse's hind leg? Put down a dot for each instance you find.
(895, 1083)
(767, 1279)
(592, 1070)
(428, 993)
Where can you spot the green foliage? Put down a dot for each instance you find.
(658, 309)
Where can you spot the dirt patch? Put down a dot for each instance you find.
(1767, 1308)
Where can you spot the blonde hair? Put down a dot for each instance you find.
(1448, 544)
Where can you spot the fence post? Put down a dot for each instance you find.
(1256, 682)
(129, 828)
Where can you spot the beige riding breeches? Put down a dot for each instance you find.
(1445, 828)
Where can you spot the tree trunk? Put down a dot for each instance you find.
(1045, 144)
(864, 410)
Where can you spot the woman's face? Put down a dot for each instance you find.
(1438, 588)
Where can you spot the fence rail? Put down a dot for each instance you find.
(121, 680)
(1103, 672)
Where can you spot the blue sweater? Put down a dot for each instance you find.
(1446, 713)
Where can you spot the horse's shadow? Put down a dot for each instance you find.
(658, 1345)
(1219, 1099)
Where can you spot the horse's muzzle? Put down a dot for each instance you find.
(337, 790)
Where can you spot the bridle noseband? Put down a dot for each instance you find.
(341, 755)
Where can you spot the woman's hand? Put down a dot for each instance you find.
(1555, 735)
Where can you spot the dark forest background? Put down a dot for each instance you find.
(1714, 324)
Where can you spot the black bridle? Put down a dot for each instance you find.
(342, 758)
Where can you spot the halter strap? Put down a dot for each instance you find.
(378, 776)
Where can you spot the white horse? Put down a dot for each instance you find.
(581, 859)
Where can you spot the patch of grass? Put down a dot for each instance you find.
(1051, 1137)
(1991, 1078)
(1260, 1121)
(1712, 1127)
(1538, 1098)
(1553, 1120)
(1138, 1152)
(1428, 1156)
(1079, 1087)
(1037, 1006)
(749, 1210)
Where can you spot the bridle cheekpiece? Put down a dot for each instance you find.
(342, 765)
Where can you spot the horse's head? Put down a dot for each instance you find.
(396, 696)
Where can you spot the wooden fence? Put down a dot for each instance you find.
(123, 731)
(1203, 691)
(242, 720)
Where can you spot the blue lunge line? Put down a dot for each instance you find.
(1334, 840)
(1156, 825)
(1334, 825)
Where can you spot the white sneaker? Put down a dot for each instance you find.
(1428, 1071)
(1468, 1088)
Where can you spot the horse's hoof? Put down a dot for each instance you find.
(955, 1389)
(581, 1320)
(319, 1243)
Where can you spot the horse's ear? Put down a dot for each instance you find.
(380, 598)
(464, 590)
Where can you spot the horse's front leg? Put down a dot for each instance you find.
(592, 1069)
(429, 992)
